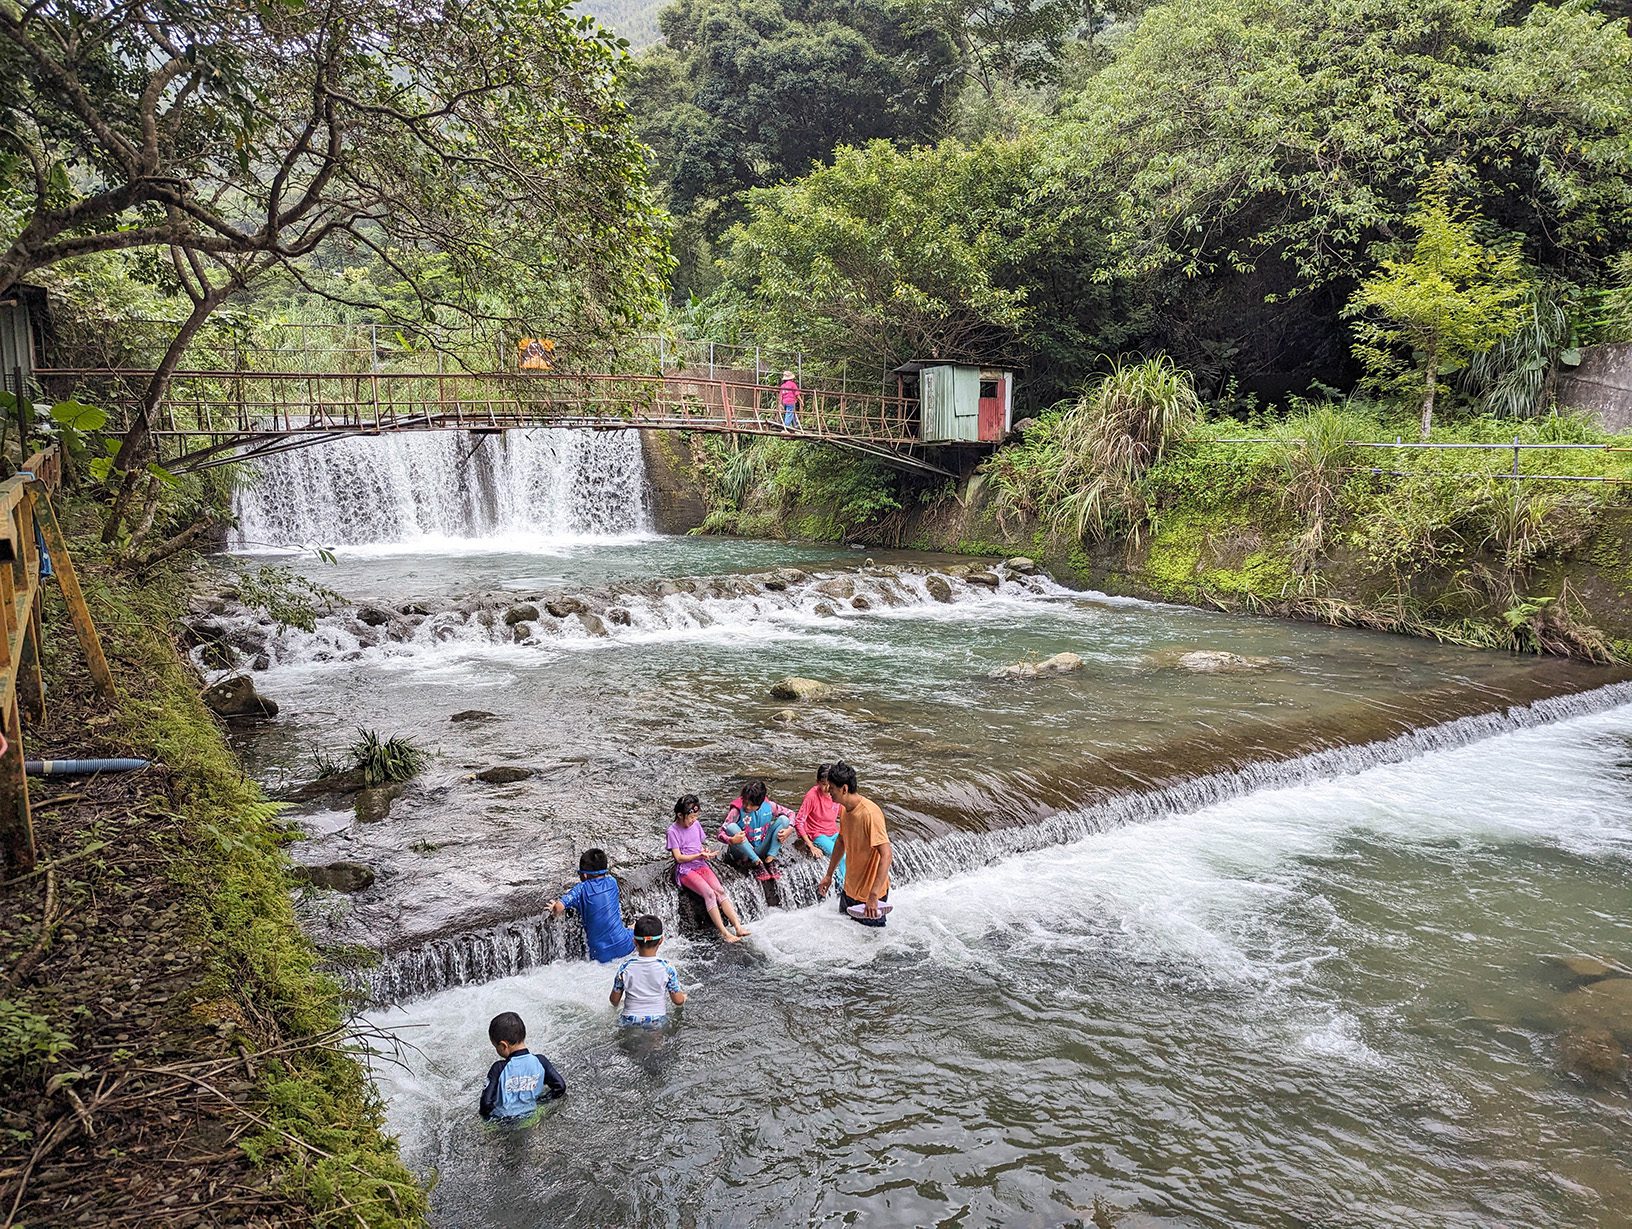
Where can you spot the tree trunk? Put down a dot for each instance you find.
(1428, 394)
(134, 446)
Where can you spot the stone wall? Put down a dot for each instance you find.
(1602, 384)
(677, 500)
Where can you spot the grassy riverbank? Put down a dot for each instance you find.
(1298, 522)
(177, 1057)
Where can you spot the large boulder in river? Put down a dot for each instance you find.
(1060, 663)
(990, 580)
(472, 714)
(939, 588)
(519, 632)
(561, 607)
(236, 697)
(1022, 564)
(338, 876)
(800, 689)
(504, 774)
(592, 623)
(840, 587)
(521, 612)
(1605, 1004)
(373, 616)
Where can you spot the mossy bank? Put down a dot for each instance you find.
(191, 1056)
(1298, 522)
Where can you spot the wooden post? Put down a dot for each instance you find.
(16, 821)
(30, 681)
(63, 566)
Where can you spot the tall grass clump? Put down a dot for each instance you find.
(1109, 440)
(384, 760)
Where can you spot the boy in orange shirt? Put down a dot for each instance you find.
(863, 845)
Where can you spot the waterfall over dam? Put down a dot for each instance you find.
(446, 486)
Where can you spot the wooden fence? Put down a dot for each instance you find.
(30, 522)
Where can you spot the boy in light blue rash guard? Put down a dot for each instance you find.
(596, 900)
(520, 1080)
(644, 982)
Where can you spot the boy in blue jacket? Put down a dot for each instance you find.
(519, 1081)
(596, 900)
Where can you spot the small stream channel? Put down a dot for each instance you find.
(1239, 922)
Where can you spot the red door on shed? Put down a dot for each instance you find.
(990, 424)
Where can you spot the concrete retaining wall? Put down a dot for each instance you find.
(1602, 384)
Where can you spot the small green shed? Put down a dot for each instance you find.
(960, 403)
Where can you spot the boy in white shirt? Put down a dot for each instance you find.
(645, 985)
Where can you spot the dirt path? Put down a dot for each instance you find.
(140, 1121)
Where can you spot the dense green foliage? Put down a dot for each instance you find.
(1450, 298)
(1213, 182)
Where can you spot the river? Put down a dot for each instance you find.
(1272, 943)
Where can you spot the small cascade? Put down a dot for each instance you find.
(554, 484)
(512, 947)
(628, 611)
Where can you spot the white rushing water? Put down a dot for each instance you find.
(1269, 937)
(436, 489)
(503, 950)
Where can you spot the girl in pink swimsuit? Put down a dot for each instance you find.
(693, 872)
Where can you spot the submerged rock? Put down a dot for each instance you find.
(473, 714)
(618, 615)
(261, 662)
(1590, 968)
(785, 716)
(1210, 661)
(520, 631)
(800, 689)
(504, 774)
(237, 697)
(1592, 1054)
(521, 612)
(373, 804)
(415, 608)
(939, 588)
(338, 876)
(861, 603)
(1604, 1004)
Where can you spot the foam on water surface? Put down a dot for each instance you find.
(1251, 937)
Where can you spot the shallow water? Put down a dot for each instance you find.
(678, 701)
(1328, 1004)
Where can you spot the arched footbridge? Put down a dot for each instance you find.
(210, 418)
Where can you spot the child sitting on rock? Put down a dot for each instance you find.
(596, 900)
(754, 829)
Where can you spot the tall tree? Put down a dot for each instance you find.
(1450, 298)
(750, 93)
(479, 151)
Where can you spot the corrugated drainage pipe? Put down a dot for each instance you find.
(79, 768)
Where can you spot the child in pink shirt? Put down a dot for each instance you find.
(817, 822)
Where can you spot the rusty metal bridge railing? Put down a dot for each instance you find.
(210, 418)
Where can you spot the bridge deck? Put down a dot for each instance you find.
(212, 418)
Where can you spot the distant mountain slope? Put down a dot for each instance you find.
(636, 20)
